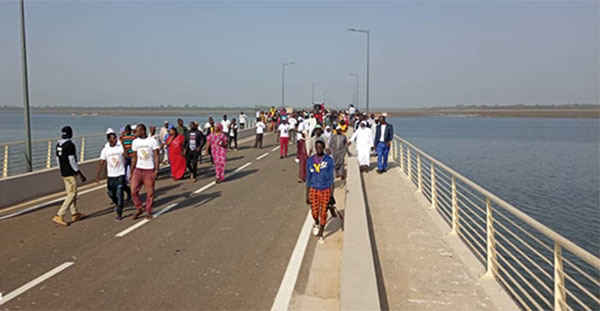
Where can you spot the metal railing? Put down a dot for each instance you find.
(538, 267)
(12, 154)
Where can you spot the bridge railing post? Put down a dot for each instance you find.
(402, 159)
(560, 298)
(82, 156)
(433, 187)
(49, 155)
(492, 263)
(408, 162)
(455, 224)
(419, 174)
(5, 162)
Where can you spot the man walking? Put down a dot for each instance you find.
(319, 186)
(67, 161)
(162, 137)
(242, 121)
(364, 144)
(301, 153)
(144, 170)
(126, 140)
(113, 156)
(284, 138)
(181, 129)
(338, 148)
(384, 134)
(194, 141)
(260, 129)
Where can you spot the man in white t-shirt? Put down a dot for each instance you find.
(225, 123)
(113, 156)
(144, 165)
(283, 132)
(260, 129)
(293, 123)
(242, 121)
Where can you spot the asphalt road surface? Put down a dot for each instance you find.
(226, 247)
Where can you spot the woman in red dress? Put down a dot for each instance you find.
(176, 157)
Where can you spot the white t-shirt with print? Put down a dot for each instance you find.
(115, 163)
(260, 127)
(145, 152)
(225, 125)
(292, 122)
(284, 130)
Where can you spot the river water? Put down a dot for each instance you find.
(548, 168)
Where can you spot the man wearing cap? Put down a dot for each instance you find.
(113, 156)
(283, 133)
(66, 157)
(384, 134)
(364, 143)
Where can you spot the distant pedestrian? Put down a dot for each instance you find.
(260, 129)
(364, 144)
(112, 157)
(175, 143)
(66, 157)
(242, 120)
(233, 131)
(194, 141)
(338, 148)
(126, 140)
(301, 153)
(163, 133)
(225, 123)
(145, 170)
(293, 122)
(284, 138)
(217, 142)
(209, 128)
(319, 186)
(384, 134)
(181, 129)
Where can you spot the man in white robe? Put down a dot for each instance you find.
(364, 143)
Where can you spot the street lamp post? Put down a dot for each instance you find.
(356, 90)
(313, 92)
(283, 83)
(368, 43)
(25, 90)
(324, 92)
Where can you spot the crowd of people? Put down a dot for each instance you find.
(131, 158)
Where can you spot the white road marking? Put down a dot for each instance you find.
(126, 231)
(205, 187)
(35, 282)
(166, 209)
(275, 148)
(242, 167)
(284, 294)
(39, 206)
(262, 156)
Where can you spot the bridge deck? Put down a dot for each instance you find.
(421, 267)
(226, 247)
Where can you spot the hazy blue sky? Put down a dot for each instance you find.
(230, 53)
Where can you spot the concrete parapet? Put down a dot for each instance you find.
(358, 286)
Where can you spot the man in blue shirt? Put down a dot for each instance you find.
(384, 134)
(319, 186)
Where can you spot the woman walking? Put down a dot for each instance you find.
(177, 158)
(217, 142)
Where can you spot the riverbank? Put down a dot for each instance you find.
(499, 113)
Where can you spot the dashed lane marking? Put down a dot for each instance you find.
(262, 156)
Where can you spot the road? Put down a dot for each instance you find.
(226, 247)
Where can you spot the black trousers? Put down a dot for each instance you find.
(233, 140)
(191, 160)
(258, 141)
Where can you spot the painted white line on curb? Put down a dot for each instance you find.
(242, 167)
(275, 148)
(262, 156)
(35, 282)
(126, 231)
(205, 187)
(284, 294)
(166, 209)
(39, 206)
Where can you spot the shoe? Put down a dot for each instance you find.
(333, 213)
(321, 240)
(296, 160)
(76, 217)
(315, 229)
(59, 220)
(281, 157)
(137, 214)
(118, 218)
(148, 216)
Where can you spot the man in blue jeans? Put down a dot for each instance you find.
(384, 134)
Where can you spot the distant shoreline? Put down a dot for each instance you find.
(472, 113)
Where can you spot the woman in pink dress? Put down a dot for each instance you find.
(217, 141)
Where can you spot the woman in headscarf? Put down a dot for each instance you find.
(175, 143)
(217, 142)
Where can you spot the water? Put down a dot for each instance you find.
(49, 125)
(548, 168)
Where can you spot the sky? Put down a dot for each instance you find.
(197, 53)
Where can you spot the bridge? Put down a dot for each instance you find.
(420, 237)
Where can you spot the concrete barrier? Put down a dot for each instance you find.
(358, 284)
(23, 187)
